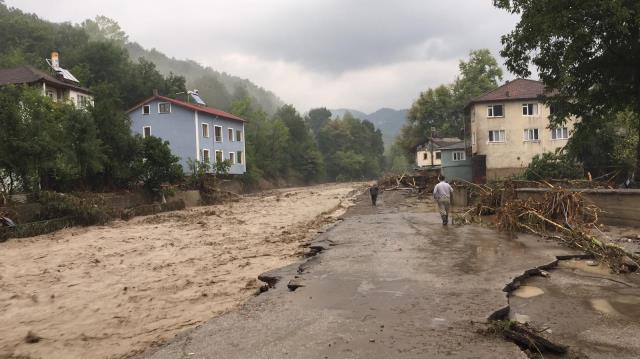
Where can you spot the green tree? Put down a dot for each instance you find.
(443, 107)
(317, 118)
(103, 28)
(304, 158)
(587, 52)
(553, 166)
(158, 165)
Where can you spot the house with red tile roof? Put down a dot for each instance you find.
(508, 126)
(194, 131)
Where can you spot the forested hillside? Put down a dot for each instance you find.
(218, 89)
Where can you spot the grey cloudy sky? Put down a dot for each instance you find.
(362, 54)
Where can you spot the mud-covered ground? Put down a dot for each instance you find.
(110, 291)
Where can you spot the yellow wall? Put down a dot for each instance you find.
(423, 158)
(515, 153)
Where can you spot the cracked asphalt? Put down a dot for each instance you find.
(392, 282)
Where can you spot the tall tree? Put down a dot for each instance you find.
(317, 118)
(587, 52)
(443, 107)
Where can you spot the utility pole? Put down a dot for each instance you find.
(433, 130)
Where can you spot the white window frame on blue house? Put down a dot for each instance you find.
(221, 159)
(239, 159)
(206, 155)
(164, 103)
(146, 110)
(230, 134)
(144, 131)
(215, 134)
(458, 156)
(239, 135)
(205, 130)
(232, 157)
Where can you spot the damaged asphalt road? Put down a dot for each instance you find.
(389, 282)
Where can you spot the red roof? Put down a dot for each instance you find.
(518, 89)
(191, 106)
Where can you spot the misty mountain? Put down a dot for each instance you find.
(388, 120)
(218, 89)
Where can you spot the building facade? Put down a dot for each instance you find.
(194, 132)
(58, 88)
(508, 126)
(455, 162)
(423, 152)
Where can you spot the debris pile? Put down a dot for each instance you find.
(560, 214)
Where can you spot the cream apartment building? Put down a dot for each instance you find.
(509, 126)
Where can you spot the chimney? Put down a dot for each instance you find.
(155, 92)
(55, 61)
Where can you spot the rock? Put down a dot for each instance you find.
(592, 263)
(32, 338)
(294, 284)
(371, 340)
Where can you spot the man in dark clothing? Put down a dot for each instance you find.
(373, 191)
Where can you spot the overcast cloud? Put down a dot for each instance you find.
(362, 54)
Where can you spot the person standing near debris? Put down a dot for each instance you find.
(442, 194)
(373, 191)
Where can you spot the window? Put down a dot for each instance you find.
(438, 155)
(529, 109)
(495, 111)
(531, 134)
(473, 138)
(239, 157)
(164, 107)
(205, 155)
(425, 156)
(217, 131)
(232, 157)
(205, 130)
(230, 134)
(238, 135)
(496, 136)
(146, 109)
(458, 155)
(51, 94)
(561, 133)
(146, 131)
(82, 101)
(219, 157)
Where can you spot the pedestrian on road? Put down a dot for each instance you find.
(373, 191)
(442, 194)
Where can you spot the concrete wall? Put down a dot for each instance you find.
(514, 152)
(456, 169)
(182, 126)
(619, 206)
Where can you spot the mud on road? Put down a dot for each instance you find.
(111, 291)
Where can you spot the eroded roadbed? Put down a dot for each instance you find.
(394, 283)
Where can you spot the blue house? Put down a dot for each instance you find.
(194, 131)
(455, 162)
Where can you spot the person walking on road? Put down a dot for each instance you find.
(442, 194)
(373, 191)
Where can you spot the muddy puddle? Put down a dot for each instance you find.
(584, 306)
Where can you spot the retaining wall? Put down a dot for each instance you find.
(619, 206)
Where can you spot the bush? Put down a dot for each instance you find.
(553, 166)
(82, 211)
